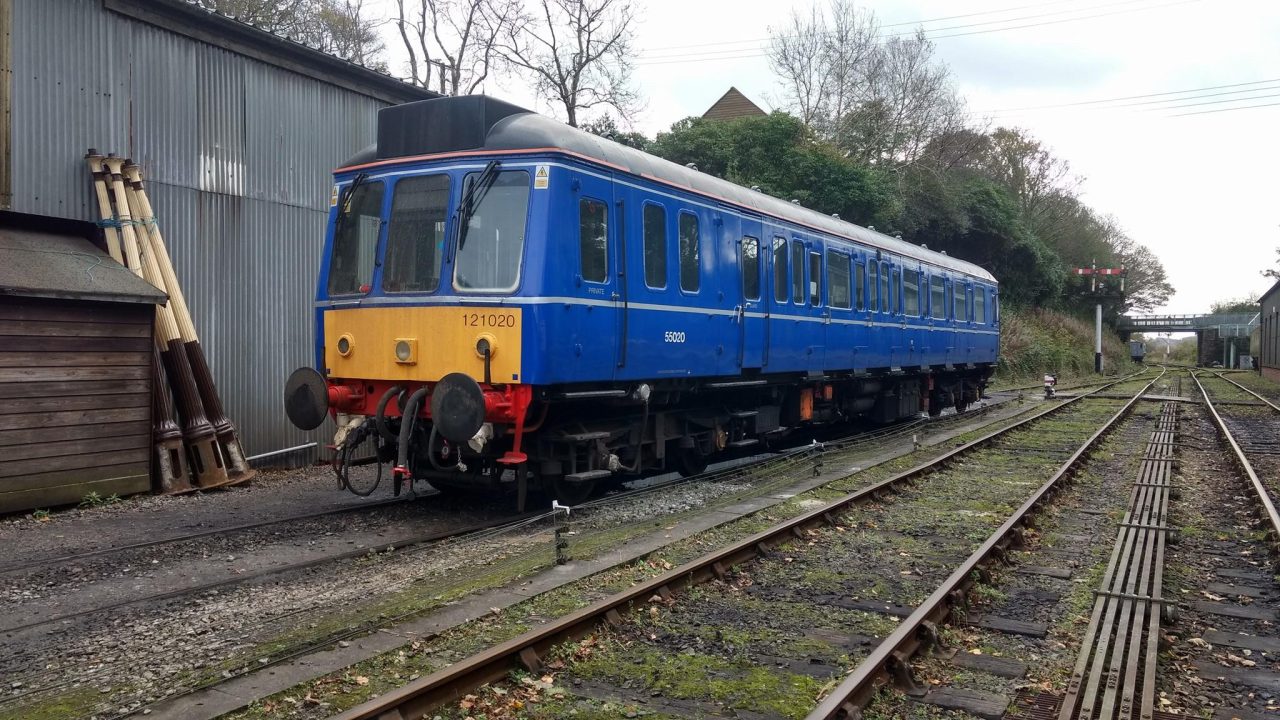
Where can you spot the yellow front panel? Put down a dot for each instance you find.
(446, 342)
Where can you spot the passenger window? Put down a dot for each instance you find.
(655, 246)
(838, 280)
(959, 306)
(415, 234)
(886, 295)
(797, 272)
(750, 258)
(938, 298)
(873, 285)
(980, 305)
(911, 292)
(859, 286)
(593, 239)
(779, 269)
(815, 275)
(995, 309)
(690, 257)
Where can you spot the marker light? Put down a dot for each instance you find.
(406, 351)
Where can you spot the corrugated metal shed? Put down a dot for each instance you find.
(237, 132)
(1268, 347)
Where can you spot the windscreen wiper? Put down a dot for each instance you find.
(471, 197)
(344, 206)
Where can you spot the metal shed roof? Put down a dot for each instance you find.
(48, 265)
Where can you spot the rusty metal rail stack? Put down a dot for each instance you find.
(1116, 668)
(527, 650)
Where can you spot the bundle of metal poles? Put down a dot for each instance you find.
(202, 450)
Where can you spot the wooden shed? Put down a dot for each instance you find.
(75, 367)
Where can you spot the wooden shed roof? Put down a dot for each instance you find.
(733, 105)
(50, 265)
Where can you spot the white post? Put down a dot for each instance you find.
(1097, 344)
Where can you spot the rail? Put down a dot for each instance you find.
(420, 697)
(1267, 506)
(890, 658)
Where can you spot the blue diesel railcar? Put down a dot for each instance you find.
(500, 291)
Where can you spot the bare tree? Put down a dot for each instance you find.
(825, 65)
(880, 100)
(454, 41)
(797, 55)
(908, 100)
(579, 54)
(338, 27)
(347, 33)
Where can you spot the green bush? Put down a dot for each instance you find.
(1035, 341)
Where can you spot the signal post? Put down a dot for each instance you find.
(1100, 291)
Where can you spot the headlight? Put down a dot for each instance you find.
(406, 351)
(345, 345)
(486, 345)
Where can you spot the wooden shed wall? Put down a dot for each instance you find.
(75, 400)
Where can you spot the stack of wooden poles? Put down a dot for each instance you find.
(203, 451)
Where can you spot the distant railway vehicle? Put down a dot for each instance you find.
(501, 292)
(1137, 350)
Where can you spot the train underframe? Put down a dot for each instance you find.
(576, 439)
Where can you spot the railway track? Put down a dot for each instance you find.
(771, 552)
(781, 465)
(1254, 440)
(29, 564)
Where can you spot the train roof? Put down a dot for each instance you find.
(477, 123)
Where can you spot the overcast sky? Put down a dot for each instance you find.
(1199, 189)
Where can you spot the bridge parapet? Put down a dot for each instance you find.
(1237, 322)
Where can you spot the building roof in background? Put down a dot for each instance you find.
(733, 105)
(42, 264)
(188, 18)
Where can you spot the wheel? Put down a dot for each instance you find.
(690, 462)
(570, 493)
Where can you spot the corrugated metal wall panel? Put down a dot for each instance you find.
(163, 103)
(220, 120)
(69, 93)
(238, 156)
